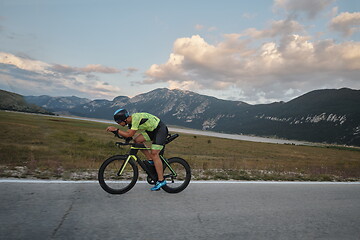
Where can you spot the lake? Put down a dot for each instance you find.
(210, 133)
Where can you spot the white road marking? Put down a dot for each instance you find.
(192, 182)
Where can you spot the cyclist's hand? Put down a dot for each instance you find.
(111, 129)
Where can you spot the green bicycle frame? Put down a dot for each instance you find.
(133, 152)
(125, 163)
(168, 165)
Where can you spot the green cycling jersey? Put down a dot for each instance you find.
(150, 122)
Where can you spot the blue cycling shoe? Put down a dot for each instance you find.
(158, 185)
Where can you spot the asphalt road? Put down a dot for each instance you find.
(203, 211)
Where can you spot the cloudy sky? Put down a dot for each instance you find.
(256, 51)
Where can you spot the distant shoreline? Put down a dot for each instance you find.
(208, 133)
(196, 132)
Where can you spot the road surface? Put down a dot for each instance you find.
(222, 210)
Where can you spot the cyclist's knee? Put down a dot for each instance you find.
(139, 139)
(154, 153)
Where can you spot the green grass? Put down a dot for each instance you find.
(49, 147)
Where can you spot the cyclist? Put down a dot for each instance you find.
(152, 128)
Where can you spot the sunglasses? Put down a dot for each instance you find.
(120, 121)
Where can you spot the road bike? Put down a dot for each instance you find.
(119, 173)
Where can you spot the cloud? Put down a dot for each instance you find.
(99, 68)
(25, 73)
(276, 69)
(91, 68)
(310, 7)
(277, 28)
(279, 62)
(24, 63)
(200, 27)
(346, 23)
(130, 71)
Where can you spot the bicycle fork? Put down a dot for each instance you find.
(124, 164)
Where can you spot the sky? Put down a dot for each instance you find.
(258, 51)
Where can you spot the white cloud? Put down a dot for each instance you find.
(186, 85)
(25, 73)
(24, 63)
(346, 23)
(277, 69)
(279, 62)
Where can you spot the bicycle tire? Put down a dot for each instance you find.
(111, 182)
(182, 180)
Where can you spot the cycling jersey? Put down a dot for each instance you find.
(151, 128)
(139, 122)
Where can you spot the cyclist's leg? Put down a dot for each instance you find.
(157, 145)
(141, 138)
(157, 163)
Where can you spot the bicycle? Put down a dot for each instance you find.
(119, 173)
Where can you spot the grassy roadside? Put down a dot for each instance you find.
(37, 146)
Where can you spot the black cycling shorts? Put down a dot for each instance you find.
(158, 136)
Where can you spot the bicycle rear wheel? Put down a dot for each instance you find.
(111, 181)
(176, 183)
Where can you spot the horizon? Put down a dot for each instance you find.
(66, 96)
(255, 52)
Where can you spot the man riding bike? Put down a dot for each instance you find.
(151, 128)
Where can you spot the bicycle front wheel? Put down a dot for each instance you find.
(110, 178)
(177, 176)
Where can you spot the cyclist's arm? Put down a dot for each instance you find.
(129, 133)
(125, 134)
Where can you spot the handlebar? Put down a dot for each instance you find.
(169, 139)
(127, 140)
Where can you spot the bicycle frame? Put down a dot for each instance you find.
(133, 155)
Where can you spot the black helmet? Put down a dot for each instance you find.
(120, 115)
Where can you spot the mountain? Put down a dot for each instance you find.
(328, 115)
(56, 104)
(15, 102)
(176, 107)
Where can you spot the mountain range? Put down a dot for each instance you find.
(16, 102)
(328, 115)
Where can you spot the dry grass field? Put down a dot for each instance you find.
(39, 146)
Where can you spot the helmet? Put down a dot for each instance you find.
(120, 115)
